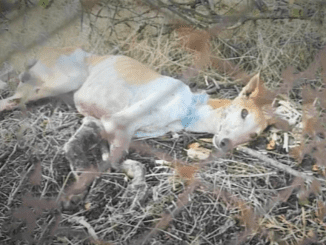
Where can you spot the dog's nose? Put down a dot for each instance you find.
(225, 144)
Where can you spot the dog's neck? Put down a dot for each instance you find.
(204, 120)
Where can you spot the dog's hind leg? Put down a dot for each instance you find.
(86, 146)
(85, 151)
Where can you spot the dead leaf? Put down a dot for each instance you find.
(186, 172)
(88, 205)
(271, 145)
(195, 151)
(297, 153)
(315, 168)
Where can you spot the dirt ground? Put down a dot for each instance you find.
(270, 191)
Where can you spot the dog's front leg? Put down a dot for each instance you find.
(119, 132)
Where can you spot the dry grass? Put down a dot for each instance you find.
(233, 199)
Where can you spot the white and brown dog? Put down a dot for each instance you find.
(127, 99)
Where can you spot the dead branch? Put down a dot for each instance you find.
(268, 161)
(264, 16)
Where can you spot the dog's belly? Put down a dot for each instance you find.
(149, 109)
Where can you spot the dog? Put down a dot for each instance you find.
(124, 98)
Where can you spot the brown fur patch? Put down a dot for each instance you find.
(253, 108)
(134, 72)
(49, 55)
(96, 59)
(218, 103)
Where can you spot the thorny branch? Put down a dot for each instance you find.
(188, 13)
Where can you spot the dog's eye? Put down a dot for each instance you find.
(244, 113)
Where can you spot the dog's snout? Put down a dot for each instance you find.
(225, 144)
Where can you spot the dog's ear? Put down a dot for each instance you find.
(254, 88)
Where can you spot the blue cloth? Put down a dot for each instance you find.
(192, 115)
